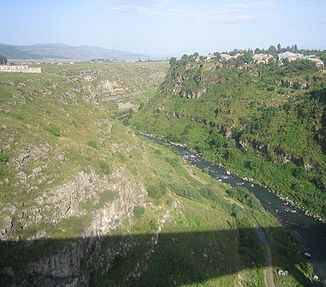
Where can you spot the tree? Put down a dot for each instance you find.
(257, 51)
(246, 58)
(272, 63)
(173, 61)
(299, 65)
(184, 57)
(279, 48)
(218, 55)
(272, 50)
(3, 60)
(295, 48)
(193, 57)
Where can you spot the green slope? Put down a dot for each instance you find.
(263, 121)
(83, 199)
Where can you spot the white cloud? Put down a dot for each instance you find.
(229, 13)
(160, 3)
(251, 5)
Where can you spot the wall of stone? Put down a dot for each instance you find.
(19, 69)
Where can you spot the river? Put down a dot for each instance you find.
(311, 231)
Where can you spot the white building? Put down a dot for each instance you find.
(262, 58)
(19, 69)
(296, 56)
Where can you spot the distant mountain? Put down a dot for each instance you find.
(63, 51)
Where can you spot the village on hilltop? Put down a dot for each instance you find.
(262, 58)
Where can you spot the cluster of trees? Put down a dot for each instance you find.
(3, 60)
(277, 50)
(298, 66)
(272, 50)
(246, 57)
(185, 59)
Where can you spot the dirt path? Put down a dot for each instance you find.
(193, 175)
(268, 272)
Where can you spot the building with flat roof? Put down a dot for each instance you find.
(19, 69)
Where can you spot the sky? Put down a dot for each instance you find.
(165, 27)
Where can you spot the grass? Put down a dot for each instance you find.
(262, 133)
(84, 138)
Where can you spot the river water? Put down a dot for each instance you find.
(311, 231)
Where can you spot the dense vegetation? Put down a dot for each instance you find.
(3, 60)
(264, 121)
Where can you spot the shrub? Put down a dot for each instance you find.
(153, 224)
(206, 170)
(4, 157)
(208, 192)
(105, 166)
(158, 152)
(92, 144)
(244, 196)
(172, 161)
(185, 191)
(157, 190)
(139, 211)
(53, 129)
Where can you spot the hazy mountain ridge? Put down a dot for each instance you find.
(63, 51)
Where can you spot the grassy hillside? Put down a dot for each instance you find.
(262, 121)
(84, 200)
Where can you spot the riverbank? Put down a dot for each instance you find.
(284, 199)
(311, 231)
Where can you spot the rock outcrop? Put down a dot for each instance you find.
(70, 264)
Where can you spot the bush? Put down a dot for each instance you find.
(244, 196)
(92, 144)
(209, 193)
(185, 191)
(158, 152)
(206, 170)
(4, 157)
(156, 191)
(53, 129)
(299, 65)
(172, 161)
(139, 211)
(105, 166)
(153, 224)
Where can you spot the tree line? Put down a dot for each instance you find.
(3, 60)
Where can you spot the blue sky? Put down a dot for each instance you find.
(165, 26)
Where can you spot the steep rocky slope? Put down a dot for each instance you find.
(86, 202)
(263, 121)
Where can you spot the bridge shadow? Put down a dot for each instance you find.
(157, 259)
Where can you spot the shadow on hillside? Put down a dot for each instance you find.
(165, 259)
(319, 95)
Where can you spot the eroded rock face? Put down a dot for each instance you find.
(71, 264)
(64, 200)
(298, 84)
(130, 193)
(31, 152)
(192, 94)
(110, 86)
